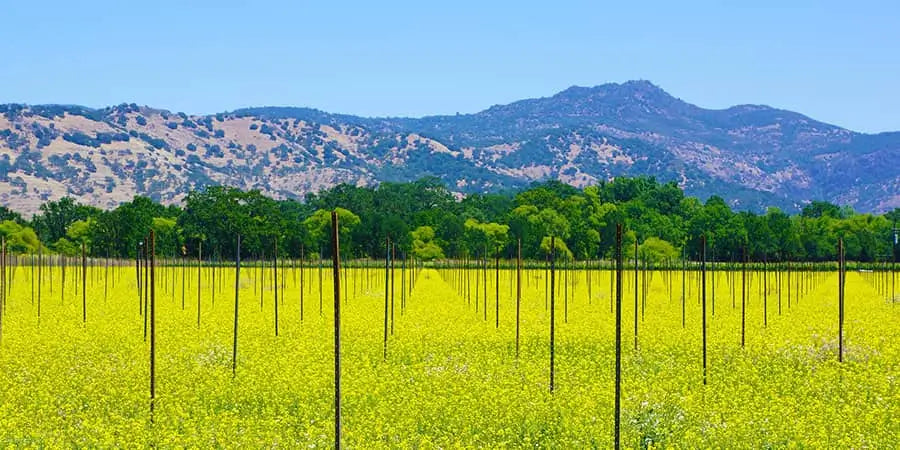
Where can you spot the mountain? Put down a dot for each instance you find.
(754, 156)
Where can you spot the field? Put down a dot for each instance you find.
(451, 377)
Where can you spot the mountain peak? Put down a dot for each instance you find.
(641, 84)
(631, 88)
(636, 99)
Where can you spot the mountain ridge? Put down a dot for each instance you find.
(755, 156)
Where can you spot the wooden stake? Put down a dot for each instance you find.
(683, 283)
(137, 267)
(552, 310)
(743, 296)
(703, 296)
(183, 276)
(199, 268)
(83, 282)
(387, 262)
(275, 280)
(393, 257)
(2, 283)
(301, 282)
(636, 306)
(841, 282)
(40, 278)
(237, 286)
(618, 416)
(336, 265)
(152, 252)
(497, 291)
(518, 290)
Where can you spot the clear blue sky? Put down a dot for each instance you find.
(837, 61)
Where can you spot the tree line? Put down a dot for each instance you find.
(426, 220)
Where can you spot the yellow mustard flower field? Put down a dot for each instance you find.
(77, 375)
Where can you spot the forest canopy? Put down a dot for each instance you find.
(426, 219)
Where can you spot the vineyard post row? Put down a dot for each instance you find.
(146, 282)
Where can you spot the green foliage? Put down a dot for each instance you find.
(168, 235)
(79, 231)
(19, 239)
(392, 210)
(487, 237)
(118, 232)
(78, 234)
(55, 217)
(8, 214)
(216, 215)
(424, 246)
(656, 250)
(478, 225)
(67, 248)
(816, 209)
(557, 246)
(319, 226)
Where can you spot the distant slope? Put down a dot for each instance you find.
(753, 156)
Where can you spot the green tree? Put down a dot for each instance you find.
(66, 247)
(168, 236)
(19, 239)
(79, 232)
(8, 214)
(319, 226)
(489, 236)
(656, 250)
(558, 246)
(816, 209)
(118, 232)
(54, 218)
(423, 244)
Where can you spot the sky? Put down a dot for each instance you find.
(838, 62)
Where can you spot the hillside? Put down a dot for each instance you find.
(754, 156)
